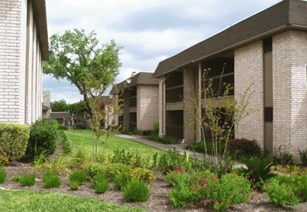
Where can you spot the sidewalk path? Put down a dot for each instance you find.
(179, 147)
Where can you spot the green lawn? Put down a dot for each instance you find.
(82, 139)
(45, 201)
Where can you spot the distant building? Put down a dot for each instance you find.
(139, 99)
(63, 118)
(23, 47)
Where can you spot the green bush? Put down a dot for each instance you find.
(200, 147)
(233, 189)
(76, 179)
(170, 161)
(92, 169)
(66, 145)
(43, 135)
(303, 155)
(281, 193)
(142, 174)
(122, 180)
(181, 196)
(13, 141)
(154, 136)
(257, 170)
(177, 177)
(26, 180)
(137, 191)
(62, 127)
(283, 158)
(243, 147)
(2, 175)
(51, 180)
(117, 168)
(100, 183)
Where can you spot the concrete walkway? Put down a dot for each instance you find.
(178, 147)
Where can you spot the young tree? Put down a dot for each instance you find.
(77, 57)
(58, 106)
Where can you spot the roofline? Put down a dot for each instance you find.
(40, 17)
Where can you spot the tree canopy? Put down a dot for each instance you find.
(59, 106)
(79, 58)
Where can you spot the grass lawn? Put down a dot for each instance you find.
(46, 201)
(82, 139)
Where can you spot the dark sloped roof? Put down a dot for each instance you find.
(39, 8)
(141, 78)
(282, 16)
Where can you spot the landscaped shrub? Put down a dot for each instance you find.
(76, 179)
(122, 180)
(181, 195)
(26, 180)
(303, 155)
(243, 147)
(142, 174)
(170, 161)
(129, 158)
(137, 191)
(66, 145)
(281, 193)
(92, 169)
(115, 169)
(283, 158)
(51, 180)
(13, 141)
(257, 170)
(177, 177)
(2, 175)
(43, 134)
(62, 127)
(233, 189)
(100, 183)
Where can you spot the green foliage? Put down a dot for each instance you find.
(122, 156)
(233, 189)
(154, 136)
(93, 169)
(203, 184)
(76, 179)
(281, 193)
(51, 179)
(62, 127)
(13, 141)
(117, 168)
(43, 135)
(244, 147)
(170, 161)
(177, 177)
(200, 147)
(142, 174)
(181, 196)
(303, 155)
(257, 170)
(2, 175)
(100, 183)
(122, 181)
(26, 180)
(283, 158)
(59, 106)
(66, 145)
(137, 191)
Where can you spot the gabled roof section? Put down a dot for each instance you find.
(40, 16)
(141, 78)
(280, 17)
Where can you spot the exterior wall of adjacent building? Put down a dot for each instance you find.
(20, 64)
(147, 106)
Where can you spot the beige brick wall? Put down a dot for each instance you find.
(249, 70)
(147, 106)
(290, 92)
(18, 102)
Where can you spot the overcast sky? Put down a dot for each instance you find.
(147, 30)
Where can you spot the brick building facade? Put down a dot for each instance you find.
(268, 50)
(23, 47)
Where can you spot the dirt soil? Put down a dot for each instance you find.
(158, 200)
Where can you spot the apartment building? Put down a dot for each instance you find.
(268, 50)
(23, 47)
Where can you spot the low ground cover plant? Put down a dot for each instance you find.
(26, 179)
(76, 179)
(2, 175)
(136, 191)
(51, 179)
(101, 184)
(66, 145)
(122, 181)
(303, 155)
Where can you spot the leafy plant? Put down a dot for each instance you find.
(283, 158)
(177, 177)
(303, 155)
(26, 180)
(93, 169)
(66, 145)
(181, 195)
(142, 174)
(244, 147)
(13, 141)
(76, 179)
(281, 193)
(100, 183)
(2, 175)
(170, 161)
(257, 170)
(51, 180)
(122, 180)
(233, 189)
(137, 191)
(117, 168)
